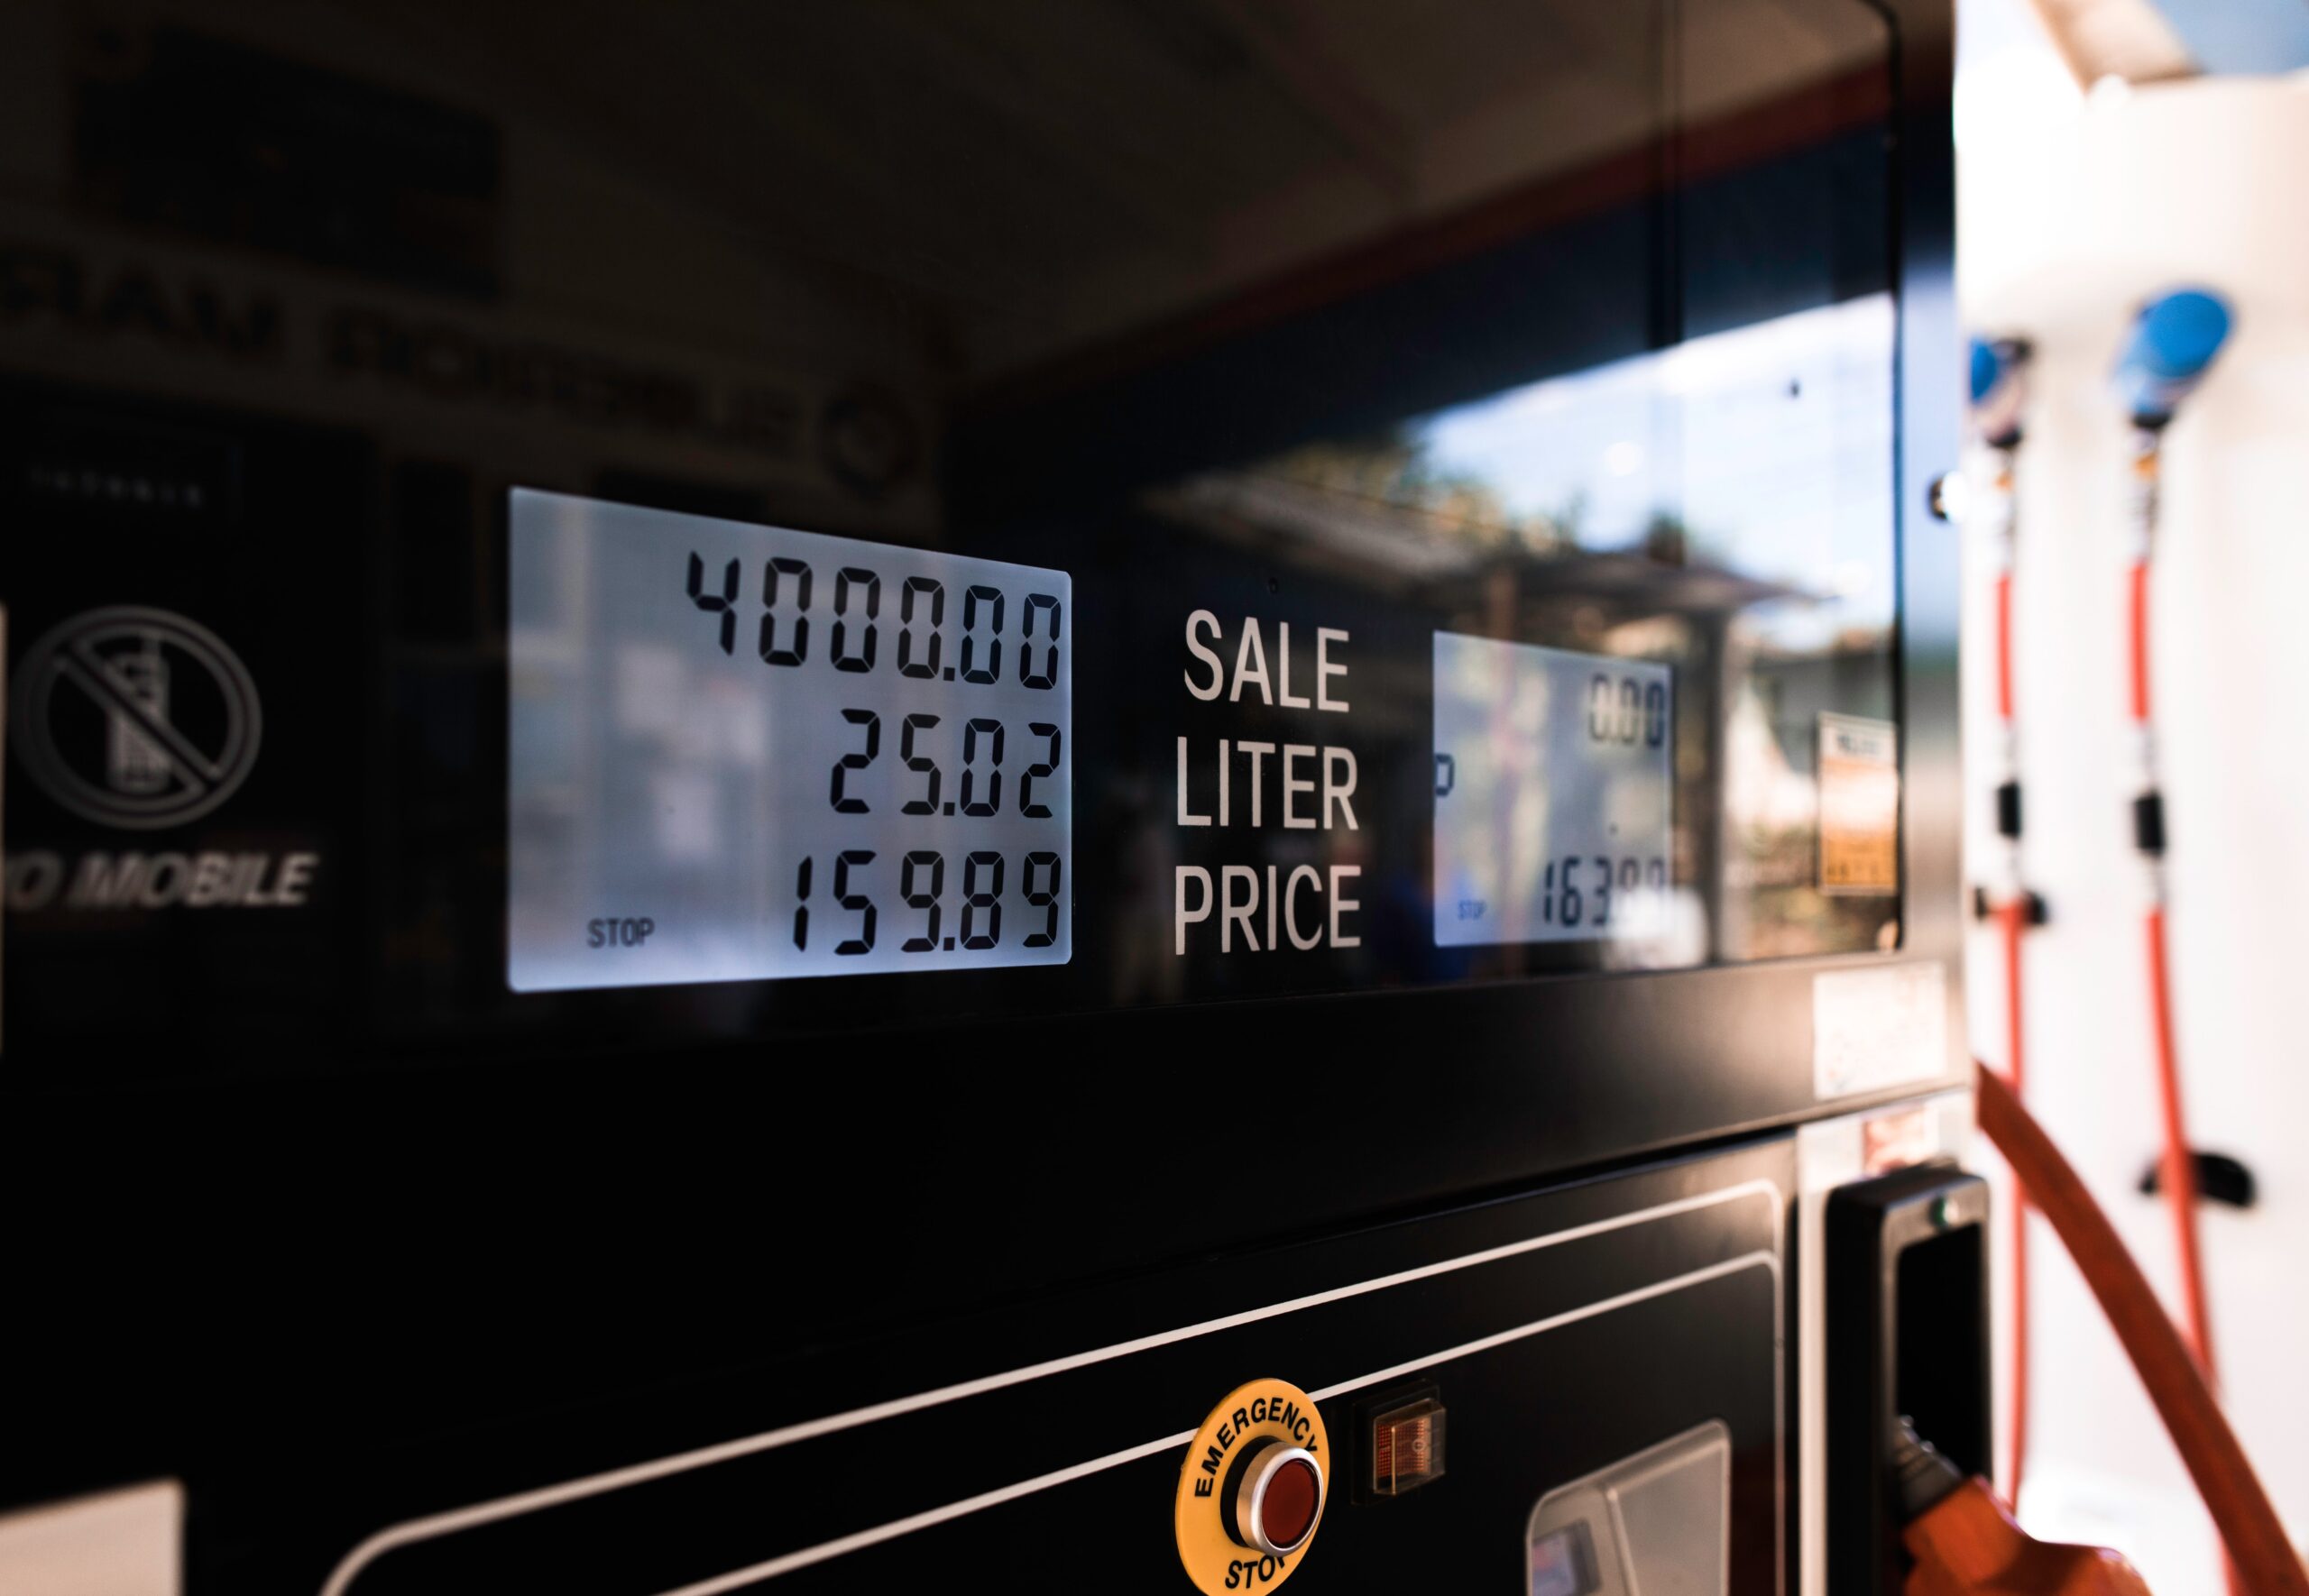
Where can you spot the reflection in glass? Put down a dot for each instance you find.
(1723, 508)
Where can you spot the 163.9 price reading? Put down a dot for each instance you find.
(1579, 891)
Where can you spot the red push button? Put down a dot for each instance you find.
(1281, 1498)
(1288, 1511)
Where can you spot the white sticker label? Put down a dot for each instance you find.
(1872, 1029)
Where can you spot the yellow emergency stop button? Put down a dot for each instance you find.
(1251, 1488)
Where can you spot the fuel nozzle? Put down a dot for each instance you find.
(2170, 347)
(1965, 1540)
(1998, 386)
(1923, 1477)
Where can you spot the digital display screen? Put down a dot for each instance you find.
(750, 753)
(1553, 794)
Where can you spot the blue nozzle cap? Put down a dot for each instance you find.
(1987, 367)
(2178, 334)
(2173, 341)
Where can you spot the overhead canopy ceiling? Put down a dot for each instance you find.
(1108, 160)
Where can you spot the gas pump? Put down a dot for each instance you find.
(1076, 798)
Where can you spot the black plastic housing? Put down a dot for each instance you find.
(1907, 1329)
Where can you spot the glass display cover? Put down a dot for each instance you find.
(1553, 794)
(743, 752)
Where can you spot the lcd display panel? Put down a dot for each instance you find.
(748, 752)
(1554, 793)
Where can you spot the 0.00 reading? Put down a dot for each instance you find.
(1626, 711)
(922, 883)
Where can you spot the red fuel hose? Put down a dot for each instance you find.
(2004, 645)
(2136, 634)
(2178, 1173)
(2262, 1557)
(2013, 919)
